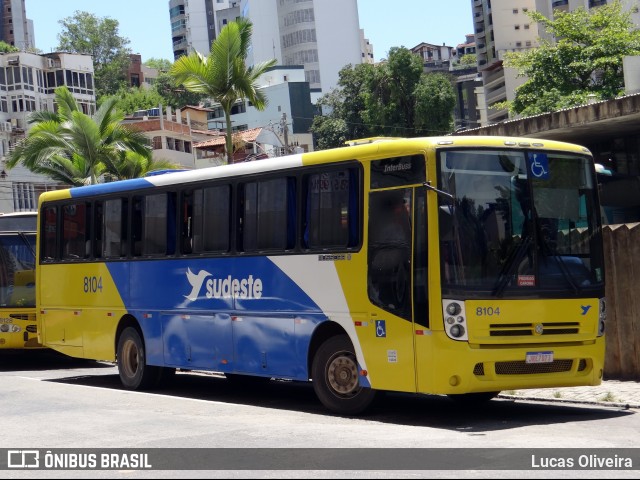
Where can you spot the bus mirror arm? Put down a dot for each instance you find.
(442, 193)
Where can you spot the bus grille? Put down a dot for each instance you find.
(30, 317)
(32, 328)
(522, 368)
(528, 329)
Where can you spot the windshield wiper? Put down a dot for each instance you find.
(512, 260)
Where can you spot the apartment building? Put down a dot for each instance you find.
(501, 26)
(321, 35)
(27, 84)
(548, 7)
(15, 28)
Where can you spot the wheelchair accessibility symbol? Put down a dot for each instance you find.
(539, 165)
(381, 328)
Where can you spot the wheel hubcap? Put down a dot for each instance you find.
(343, 375)
(130, 359)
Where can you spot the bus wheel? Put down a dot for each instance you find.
(476, 398)
(134, 372)
(336, 378)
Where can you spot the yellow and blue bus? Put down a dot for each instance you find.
(18, 327)
(460, 266)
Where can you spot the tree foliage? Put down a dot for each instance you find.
(87, 34)
(129, 100)
(161, 64)
(394, 98)
(176, 96)
(74, 148)
(224, 76)
(585, 60)
(6, 48)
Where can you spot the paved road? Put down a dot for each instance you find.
(54, 402)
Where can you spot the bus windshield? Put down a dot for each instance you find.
(521, 224)
(17, 269)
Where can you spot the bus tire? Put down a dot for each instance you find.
(134, 372)
(476, 398)
(335, 378)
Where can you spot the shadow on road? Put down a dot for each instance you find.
(434, 411)
(42, 359)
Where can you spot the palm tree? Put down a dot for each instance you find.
(134, 165)
(73, 147)
(223, 76)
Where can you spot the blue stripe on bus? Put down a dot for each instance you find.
(196, 322)
(110, 187)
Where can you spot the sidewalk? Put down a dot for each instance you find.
(612, 393)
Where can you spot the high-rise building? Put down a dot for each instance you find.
(501, 26)
(549, 7)
(321, 35)
(15, 28)
(196, 23)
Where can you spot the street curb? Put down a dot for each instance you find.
(624, 406)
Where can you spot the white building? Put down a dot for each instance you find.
(196, 23)
(322, 35)
(547, 7)
(501, 26)
(27, 84)
(289, 111)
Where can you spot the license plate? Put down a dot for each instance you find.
(539, 357)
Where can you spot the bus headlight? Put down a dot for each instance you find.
(455, 319)
(457, 331)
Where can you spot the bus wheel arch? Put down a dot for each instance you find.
(335, 374)
(135, 373)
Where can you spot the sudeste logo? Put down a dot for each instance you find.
(228, 287)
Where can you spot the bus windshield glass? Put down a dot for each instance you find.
(17, 268)
(520, 224)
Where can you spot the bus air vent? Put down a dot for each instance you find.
(528, 329)
(522, 368)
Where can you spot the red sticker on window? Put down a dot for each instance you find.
(526, 280)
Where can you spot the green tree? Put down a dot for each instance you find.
(132, 99)
(134, 165)
(176, 97)
(394, 98)
(161, 64)
(469, 59)
(585, 60)
(6, 48)
(435, 101)
(224, 76)
(87, 34)
(74, 148)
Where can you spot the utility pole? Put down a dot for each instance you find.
(285, 131)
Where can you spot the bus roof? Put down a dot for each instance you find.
(361, 149)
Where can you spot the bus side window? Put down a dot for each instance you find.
(268, 215)
(114, 228)
(75, 228)
(49, 233)
(331, 212)
(156, 224)
(186, 222)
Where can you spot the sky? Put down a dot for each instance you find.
(146, 24)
